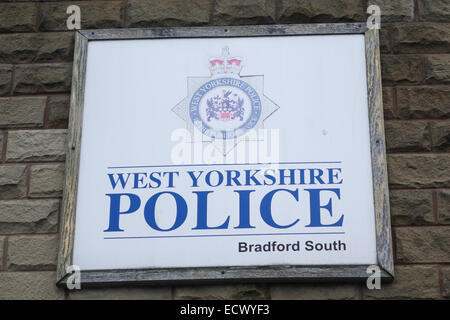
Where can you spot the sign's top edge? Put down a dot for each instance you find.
(225, 31)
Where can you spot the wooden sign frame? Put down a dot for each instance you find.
(229, 274)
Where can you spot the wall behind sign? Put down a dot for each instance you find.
(36, 54)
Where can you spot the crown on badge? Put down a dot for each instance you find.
(226, 64)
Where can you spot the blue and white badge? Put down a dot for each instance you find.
(225, 106)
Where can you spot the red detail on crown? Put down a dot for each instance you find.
(235, 61)
(226, 64)
(213, 62)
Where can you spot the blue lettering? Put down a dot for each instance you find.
(314, 198)
(149, 211)
(266, 208)
(114, 211)
(120, 178)
(244, 209)
(202, 212)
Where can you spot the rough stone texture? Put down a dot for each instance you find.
(167, 13)
(42, 78)
(434, 10)
(94, 15)
(437, 69)
(29, 285)
(407, 136)
(139, 293)
(46, 180)
(36, 145)
(440, 131)
(58, 111)
(422, 38)
(410, 207)
(385, 42)
(13, 181)
(2, 243)
(36, 47)
(423, 102)
(401, 69)
(443, 206)
(315, 291)
(32, 252)
(15, 17)
(300, 11)
(244, 12)
(1, 141)
(22, 112)
(37, 56)
(394, 11)
(221, 292)
(28, 216)
(446, 282)
(419, 170)
(388, 104)
(5, 79)
(423, 245)
(411, 282)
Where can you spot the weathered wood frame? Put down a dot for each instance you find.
(229, 274)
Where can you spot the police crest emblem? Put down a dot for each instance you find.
(225, 106)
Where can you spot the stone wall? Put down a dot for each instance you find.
(36, 53)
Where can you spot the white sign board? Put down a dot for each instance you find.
(225, 152)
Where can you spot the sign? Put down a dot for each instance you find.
(245, 153)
